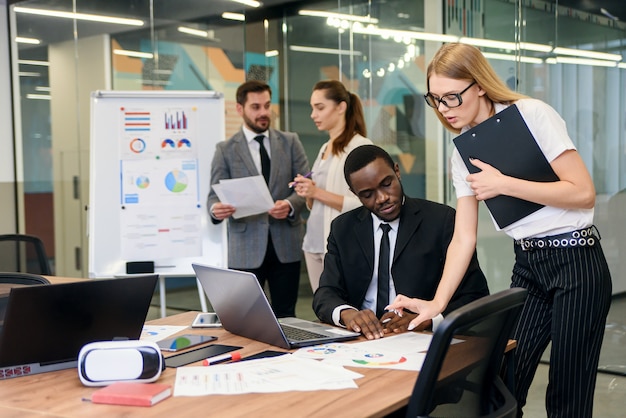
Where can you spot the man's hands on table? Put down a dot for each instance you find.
(372, 328)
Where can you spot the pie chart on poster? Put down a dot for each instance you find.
(142, 182)
(176, 181)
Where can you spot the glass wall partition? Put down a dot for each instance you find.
(66, 50)
(379, 49)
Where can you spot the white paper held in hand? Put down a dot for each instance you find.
(249, 195)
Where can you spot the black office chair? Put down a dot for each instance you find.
(23, 253)
(24, 279)
(8, 280)
(485, 327)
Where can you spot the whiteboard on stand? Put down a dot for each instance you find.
(150, 160)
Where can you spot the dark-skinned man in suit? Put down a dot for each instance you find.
(419, 234)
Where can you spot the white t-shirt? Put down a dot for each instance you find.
(550, 132)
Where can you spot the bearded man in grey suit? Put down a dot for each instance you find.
(268, 244)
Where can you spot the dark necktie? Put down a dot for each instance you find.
(265, 159)
(382, 299)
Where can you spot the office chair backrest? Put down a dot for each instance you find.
(8, 280)
(484, 327)
(23, 253)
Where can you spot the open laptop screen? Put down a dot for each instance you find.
(51, 323)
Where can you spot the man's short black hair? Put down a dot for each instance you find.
(362, 156)
(252, 86)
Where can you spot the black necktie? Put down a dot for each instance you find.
(265, 159)
(382, 299)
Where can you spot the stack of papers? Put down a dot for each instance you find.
(275, 374)
(249, 195)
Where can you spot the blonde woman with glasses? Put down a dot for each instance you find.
(558, 256)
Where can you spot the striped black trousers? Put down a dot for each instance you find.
(569, 294)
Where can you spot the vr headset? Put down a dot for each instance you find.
(106, 362)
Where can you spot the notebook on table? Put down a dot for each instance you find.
(243, 309)
(45, 326)
(505, 142)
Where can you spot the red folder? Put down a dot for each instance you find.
(136, 394)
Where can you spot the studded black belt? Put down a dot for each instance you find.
(586, 237)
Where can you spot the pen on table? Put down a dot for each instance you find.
(236, 356)
(307, 175)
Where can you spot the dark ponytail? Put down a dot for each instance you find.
(355, 121)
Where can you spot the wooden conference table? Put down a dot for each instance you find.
(60, 393)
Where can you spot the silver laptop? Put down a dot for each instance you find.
(243, 309)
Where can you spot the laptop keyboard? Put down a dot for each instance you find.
(299, 334)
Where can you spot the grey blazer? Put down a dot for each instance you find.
(247, 237)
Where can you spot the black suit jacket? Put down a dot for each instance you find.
(424, 234)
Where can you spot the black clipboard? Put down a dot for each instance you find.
(505, 142)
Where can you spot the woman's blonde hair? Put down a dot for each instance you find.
(466, 62)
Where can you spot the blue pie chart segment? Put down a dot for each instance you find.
(176, 181)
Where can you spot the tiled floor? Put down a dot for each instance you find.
(610, 397)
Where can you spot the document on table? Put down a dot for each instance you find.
(249, 195)
(158, 332)
(273, 374)
(405, 351)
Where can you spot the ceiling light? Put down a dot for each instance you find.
(529, 46)
(250, 3)
(331, 51)
(341, 16)
(22, 40)
(621, 65)
(587, 54)
(194, 32)
(392, 33)
(42, 88)
(511, 46)
(134, 54)
(585, 61)
(488, 43)
(234, 16)
(508, 57)
(28, 74)
(207, 34)
(272, 53)
(79, 16)
(608, 14)
(38, 96)
(33, 62)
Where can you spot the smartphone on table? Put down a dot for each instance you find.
(206, 320)
(184, 341)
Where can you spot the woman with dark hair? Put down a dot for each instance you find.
(340, 113)
(558, 256)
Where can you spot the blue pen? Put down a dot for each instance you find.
(307, 175)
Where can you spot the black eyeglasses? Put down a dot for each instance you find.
(449, 100)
